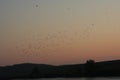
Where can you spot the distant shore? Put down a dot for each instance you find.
(89, 69)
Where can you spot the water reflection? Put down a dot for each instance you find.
(90, 79)
(73, 79)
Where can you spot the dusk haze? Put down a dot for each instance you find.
(59, 32)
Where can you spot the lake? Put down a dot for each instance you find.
(74, 79)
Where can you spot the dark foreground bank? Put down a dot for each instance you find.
(89, 69)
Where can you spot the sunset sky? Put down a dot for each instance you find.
(59, 31)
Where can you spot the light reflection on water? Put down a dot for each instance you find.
(73, 79)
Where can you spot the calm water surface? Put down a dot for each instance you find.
(74, 79)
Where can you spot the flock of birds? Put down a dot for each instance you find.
(52, 42)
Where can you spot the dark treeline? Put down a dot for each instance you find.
(89, 69)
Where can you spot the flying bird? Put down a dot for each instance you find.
(36, 5)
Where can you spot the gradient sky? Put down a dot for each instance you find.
(59, 31)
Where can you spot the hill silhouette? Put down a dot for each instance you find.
(89, 69)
